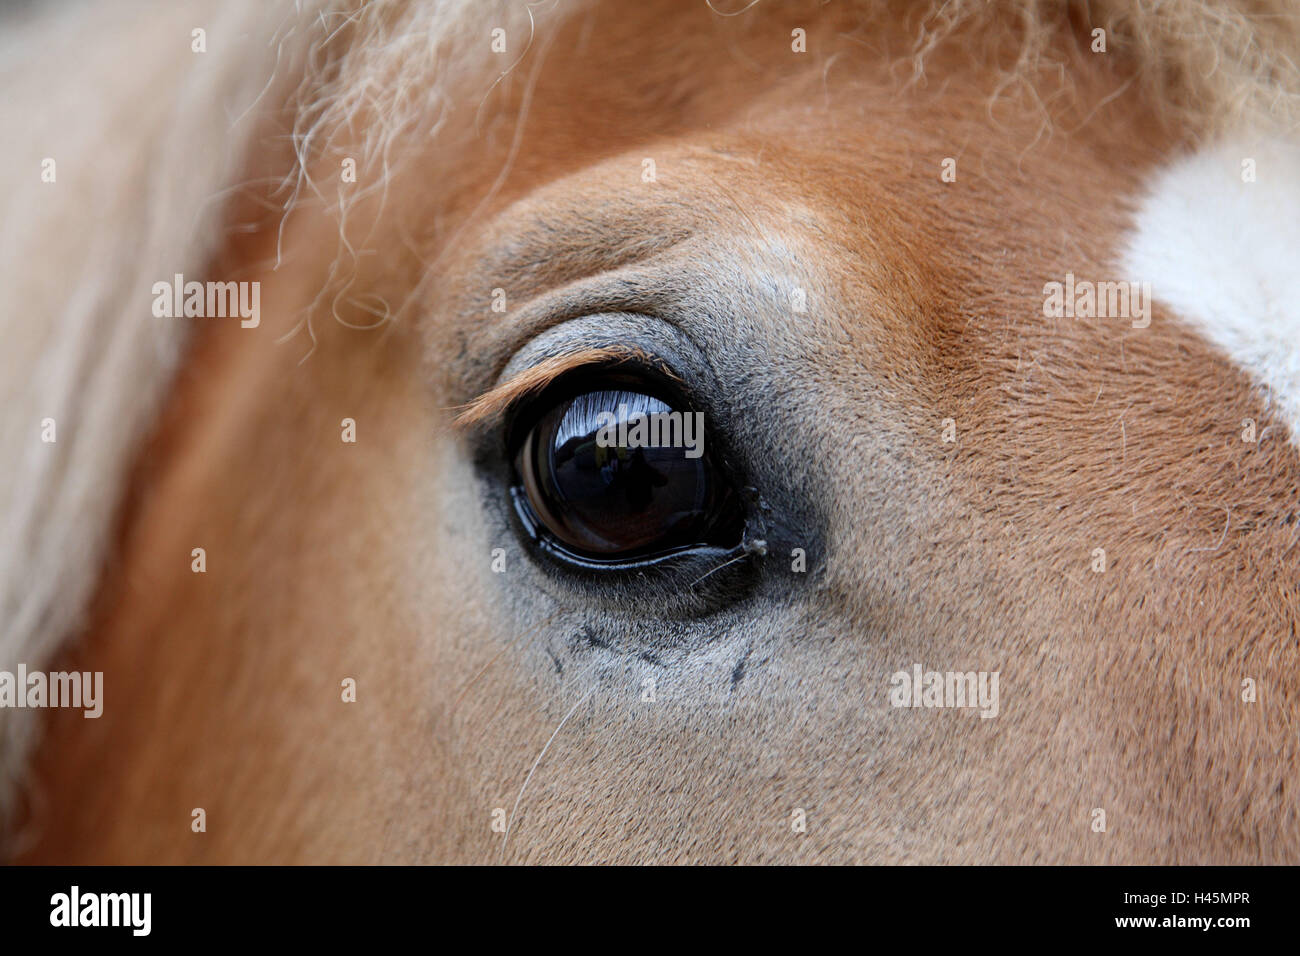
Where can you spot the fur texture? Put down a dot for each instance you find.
(521, 692)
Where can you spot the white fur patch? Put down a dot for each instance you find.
(1223, 253)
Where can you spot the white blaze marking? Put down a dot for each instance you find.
(1224, 255)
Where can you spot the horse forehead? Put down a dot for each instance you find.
(859, 216)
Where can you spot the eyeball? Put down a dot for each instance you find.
(615, 473)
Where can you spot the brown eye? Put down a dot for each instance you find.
(613, 473)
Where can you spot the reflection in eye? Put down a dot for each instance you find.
(614, 473)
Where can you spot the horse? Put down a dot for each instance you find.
(988, 553)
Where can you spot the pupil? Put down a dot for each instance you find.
(606, 479)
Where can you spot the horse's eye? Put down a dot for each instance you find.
(613, 474)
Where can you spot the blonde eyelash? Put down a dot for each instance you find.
(491, 405)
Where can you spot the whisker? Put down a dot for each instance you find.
(724, 564)
(536, 763)
(750, 547)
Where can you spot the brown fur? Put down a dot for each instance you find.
(328, 560)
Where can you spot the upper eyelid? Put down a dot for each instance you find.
(492, 405)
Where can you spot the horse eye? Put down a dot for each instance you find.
(612, 474)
